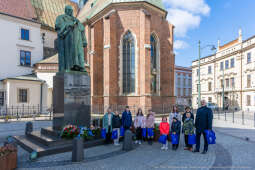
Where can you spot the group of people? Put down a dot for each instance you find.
(175, 125)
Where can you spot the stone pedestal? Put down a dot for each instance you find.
(71, 99)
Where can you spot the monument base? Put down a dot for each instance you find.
(71, 99)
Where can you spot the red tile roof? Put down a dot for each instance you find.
(18, 8)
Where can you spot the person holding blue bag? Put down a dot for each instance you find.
(150, 120)
(188, 129)
(164, 131)
(203, 122)
(126, 119)
(175, 133)
(139, 124)
(116, 124)
(107, 125)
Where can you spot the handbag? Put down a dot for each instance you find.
(162, 139)
(192, 139)
(210, 136)
(122, 131)
(114, 134)
(150, 132)
(144, 132)
(175, 139)
(103, 133)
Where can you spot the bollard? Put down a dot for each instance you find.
(29, 128)
(78, 150)
(225, 116)
(254, 119)
(219, 114)
(233, 117)
(128, 142)
(242, 117)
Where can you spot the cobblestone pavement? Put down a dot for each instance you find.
(229, 153)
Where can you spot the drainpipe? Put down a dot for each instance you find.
(41, 98)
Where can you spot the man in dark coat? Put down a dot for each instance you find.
(203, 122)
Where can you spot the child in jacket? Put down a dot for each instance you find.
(164, 130)
(188, 129)
(150, 120)
(176, 129)
(116, 124)
(139, 124)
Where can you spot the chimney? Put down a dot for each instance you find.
(218, 48)
(240, 38)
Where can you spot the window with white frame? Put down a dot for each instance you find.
(24, 34)
(226, 64)
(232, 63)
(248, 100)
(248, 57)
(248, 81)
(209, 69)
(221, 65)
(22, 95)
(2, 98)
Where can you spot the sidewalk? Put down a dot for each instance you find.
(235, 129)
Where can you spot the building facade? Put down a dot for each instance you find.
(230, 72)
(21, 47)
(183, 85)
(27, 37)
(130, 52)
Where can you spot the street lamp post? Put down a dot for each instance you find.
(223, 96)
(199, 85)
(199, 57)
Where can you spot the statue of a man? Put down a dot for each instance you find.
(71, 42)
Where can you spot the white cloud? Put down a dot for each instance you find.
(194, 6)
(183, 21)
(185, 14)
(179, 44)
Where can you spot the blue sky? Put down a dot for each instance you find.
(207, 21)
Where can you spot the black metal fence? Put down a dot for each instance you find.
(158, 109)
(25, 111)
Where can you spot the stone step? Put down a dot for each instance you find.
(28, 144)
(32, 145)
(45, 139)
(50, 132)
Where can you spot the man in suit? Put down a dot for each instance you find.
(203, 122)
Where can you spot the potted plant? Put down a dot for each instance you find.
(8, 157)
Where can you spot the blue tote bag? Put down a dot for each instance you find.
(122, 131)
(144, 132)
(150, 132)
(175, 139)
(210, 136)
(192, 139)
(103, 133)
(114, 134)
(162, 139)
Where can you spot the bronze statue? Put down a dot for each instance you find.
(71, 42)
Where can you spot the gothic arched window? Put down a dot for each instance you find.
(154, 64)
(128, 66)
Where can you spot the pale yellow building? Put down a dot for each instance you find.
(232, 66)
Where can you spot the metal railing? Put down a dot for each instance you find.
(25, 111)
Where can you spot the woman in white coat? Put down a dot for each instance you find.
(173, 114)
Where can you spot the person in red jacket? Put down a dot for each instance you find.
(164, 130)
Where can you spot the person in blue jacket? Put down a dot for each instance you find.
(203, 122)
(126, 118)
